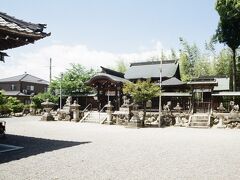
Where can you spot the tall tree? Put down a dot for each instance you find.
(141, 92)
(73, 80)
(228, 30)
(121, 66)
(222, 63)
(189, 55)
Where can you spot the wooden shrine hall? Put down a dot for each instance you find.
(108, 83)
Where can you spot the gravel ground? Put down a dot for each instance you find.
(67, 150)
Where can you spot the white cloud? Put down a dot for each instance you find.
(36, 63)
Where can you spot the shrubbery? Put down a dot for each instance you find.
(41, 97)
(9, 104)
(14, 104)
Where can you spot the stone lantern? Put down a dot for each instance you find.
(47, 106)
(75, 108)
(109, 112)
(178, 109)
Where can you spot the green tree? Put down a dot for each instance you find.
(222, 63)
(189, 55)
(73, 81)
(141, 92)
(41, 97)
(173, 55)
(228, 30)
(121, 66)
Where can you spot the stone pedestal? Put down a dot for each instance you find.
(178, 120)
(75, 108)
(220, 123)
(135, 121)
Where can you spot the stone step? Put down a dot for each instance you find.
(203, 127)
(96, 117)
(199, 120)
(199, 124)
(200, 117)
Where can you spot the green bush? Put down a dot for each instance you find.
(15, 105)
(5, 109)
(40, 98)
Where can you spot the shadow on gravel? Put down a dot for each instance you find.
(32, 146)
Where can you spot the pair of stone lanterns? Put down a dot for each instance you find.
(47, 106)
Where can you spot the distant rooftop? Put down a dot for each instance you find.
(25, 78)
(151, 69)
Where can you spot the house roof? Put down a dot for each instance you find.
(219, 83)
(227, 93)
(15, 32)
(223, 84)
(151, 69)
(25, 78)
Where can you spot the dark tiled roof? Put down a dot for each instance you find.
(25, 78)
(22, 26)
(15, 32)
(146, 70)
(112, 72)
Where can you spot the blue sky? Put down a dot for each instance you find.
(115, 27)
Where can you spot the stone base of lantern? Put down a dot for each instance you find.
(47, 117)
(135, 122)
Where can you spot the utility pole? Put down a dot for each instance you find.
(50, 70)
(160, 95)
(60, 100)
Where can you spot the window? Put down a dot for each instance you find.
(30, 88)
(27, 101)
(45, 89)
(13, 87)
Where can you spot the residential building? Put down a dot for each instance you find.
(23, 86)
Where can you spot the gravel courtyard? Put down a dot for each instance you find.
(67, 150)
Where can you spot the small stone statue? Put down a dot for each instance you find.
(221, 108)
(68, 101)
(178, 107)
(236, 108)
(167, 106)
(125, 102)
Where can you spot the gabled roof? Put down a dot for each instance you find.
(172, 82)
(151, 69)
(15, 32)
(25, 78)
(112, 72)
